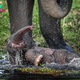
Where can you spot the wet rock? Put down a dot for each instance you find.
(75, 62)
(3, 62)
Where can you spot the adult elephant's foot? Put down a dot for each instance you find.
(61, 45)
(68, 48)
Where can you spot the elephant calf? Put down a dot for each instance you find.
(18, 48)
(43, 55)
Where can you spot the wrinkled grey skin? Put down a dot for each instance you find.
(20, 12)
(17, 46)
(51, 30)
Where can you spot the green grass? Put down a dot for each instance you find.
(70, 27)
(4, 27)
(36, 32)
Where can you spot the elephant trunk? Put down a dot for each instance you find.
(57, 10)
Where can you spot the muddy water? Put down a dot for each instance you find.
(28, 77)
(10, 75)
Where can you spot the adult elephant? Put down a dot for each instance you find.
(50, 13)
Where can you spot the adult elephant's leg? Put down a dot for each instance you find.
(20, 12)
(51, 30)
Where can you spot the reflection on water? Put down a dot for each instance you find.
(10, 75)
(25, 78)
(34, 77)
